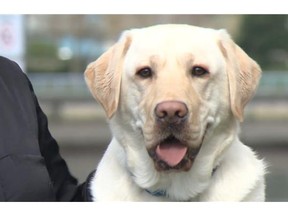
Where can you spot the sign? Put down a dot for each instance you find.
(12, 44)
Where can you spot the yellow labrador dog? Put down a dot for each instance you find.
(174, 96)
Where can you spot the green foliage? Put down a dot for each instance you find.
(42, 48)
(265, 39)
(42, 56)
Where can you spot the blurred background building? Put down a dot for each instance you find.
(54, 51)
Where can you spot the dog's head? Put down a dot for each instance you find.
(170, 84)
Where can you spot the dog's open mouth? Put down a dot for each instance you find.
(172, 154)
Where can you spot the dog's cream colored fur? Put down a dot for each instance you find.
(217, 100)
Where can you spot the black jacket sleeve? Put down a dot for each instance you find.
(64, 184)
(31, 167)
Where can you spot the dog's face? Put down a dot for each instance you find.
(172, 83)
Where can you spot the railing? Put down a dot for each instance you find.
(60, 86)
(71, 86)
(273, 86)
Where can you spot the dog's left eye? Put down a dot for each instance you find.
(145, 72)
(199, 71)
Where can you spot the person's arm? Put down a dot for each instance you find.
(65, 186)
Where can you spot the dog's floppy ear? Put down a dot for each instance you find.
(243, 74)
(103, 76)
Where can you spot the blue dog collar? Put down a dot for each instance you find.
(157, 193)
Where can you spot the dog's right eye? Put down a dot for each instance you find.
(145, 72)
(198, 71)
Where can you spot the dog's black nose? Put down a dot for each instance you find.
(171, 111)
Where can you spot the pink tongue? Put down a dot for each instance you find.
(171, 153)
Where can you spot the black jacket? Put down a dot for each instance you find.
(31, 168)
